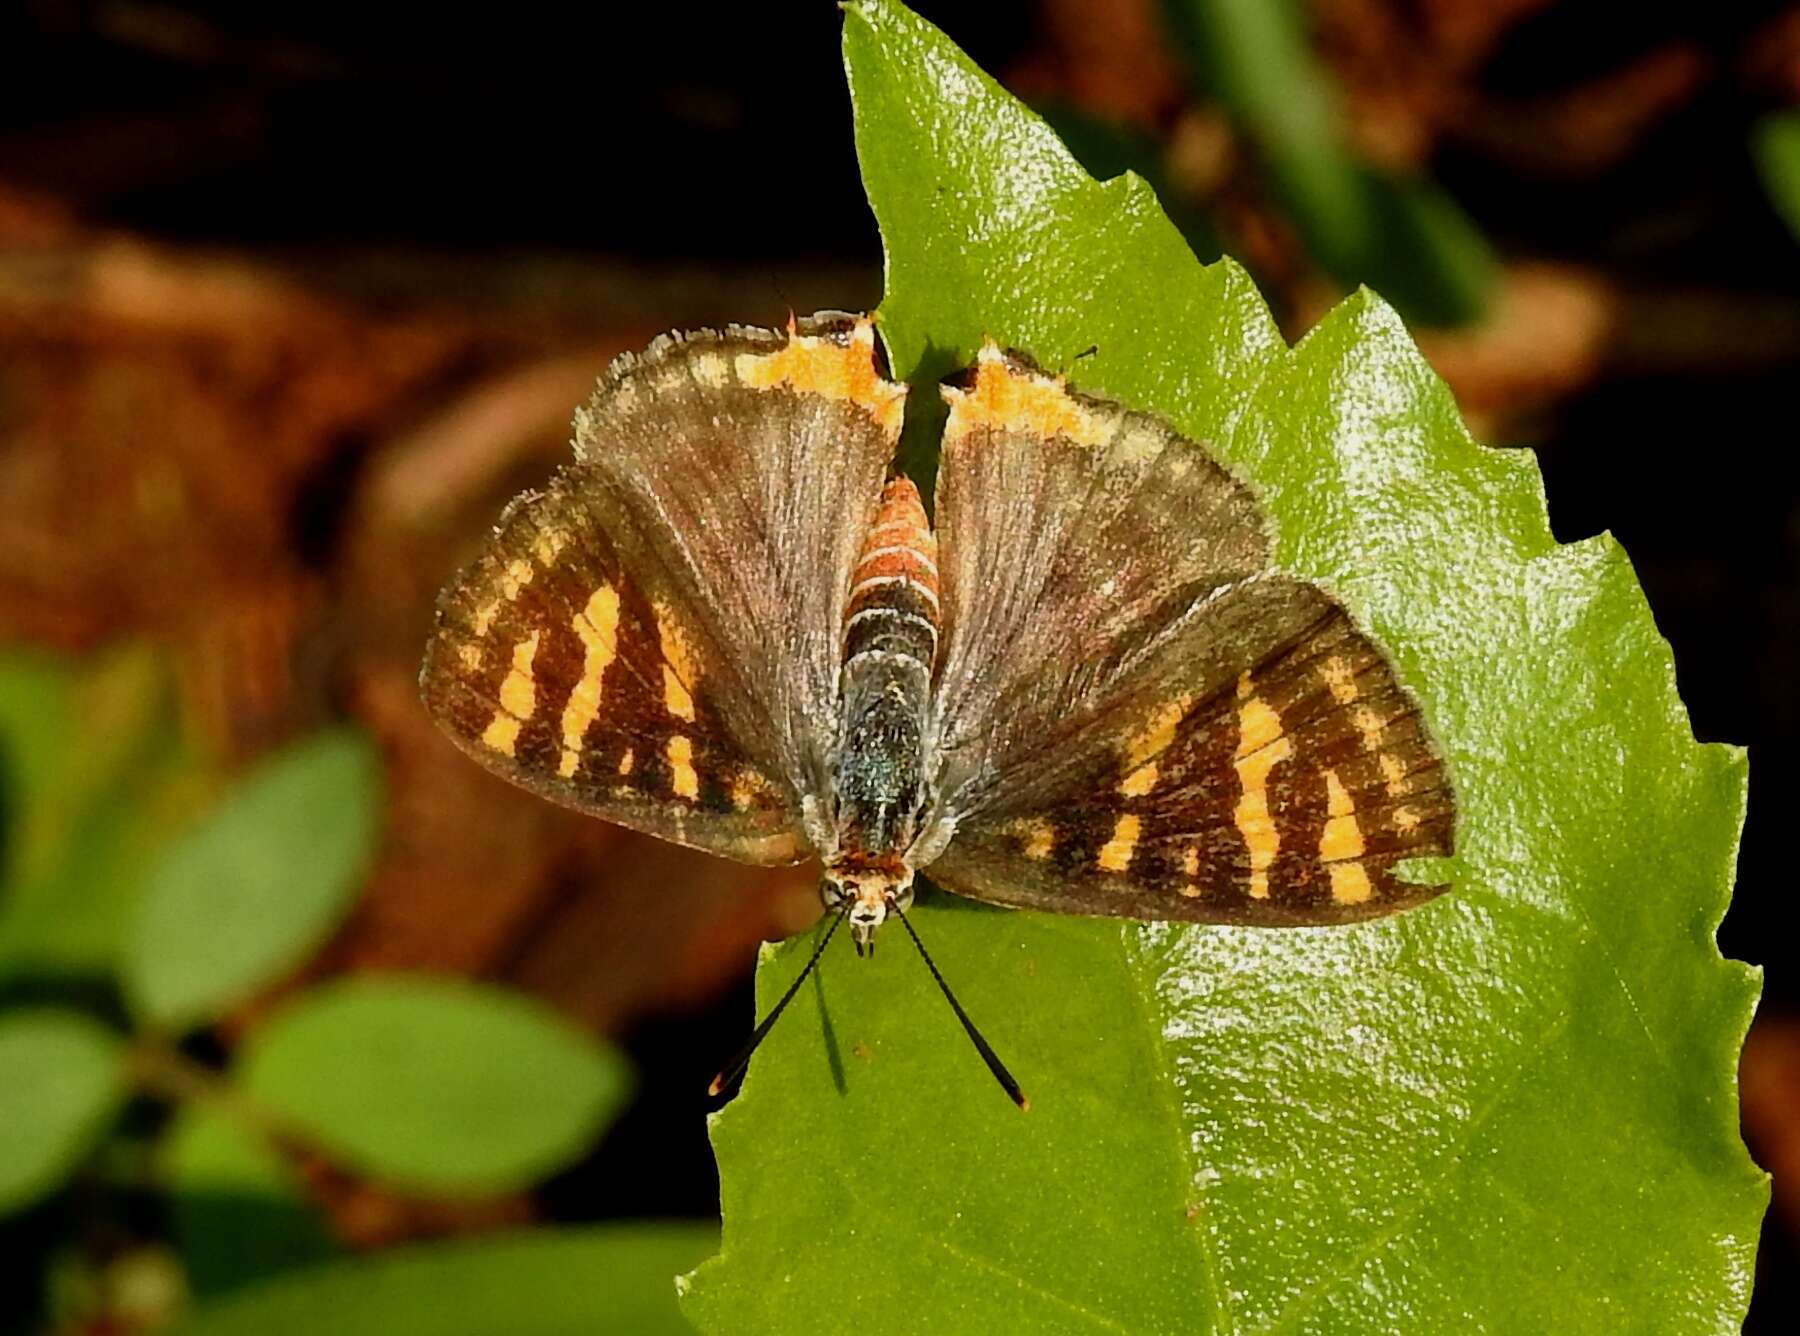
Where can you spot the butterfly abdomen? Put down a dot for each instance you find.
(890, 643)
(893, 606)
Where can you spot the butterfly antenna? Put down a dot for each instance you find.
(735, 1068)
(997, 1067)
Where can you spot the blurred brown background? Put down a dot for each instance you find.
(292, 300)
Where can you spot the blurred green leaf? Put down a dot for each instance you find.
(59, 1087)
(1513, 1109)
(1403, 236)
(1253, 56)
(1425, 254)
(250, 893)
(566, 1282)
(94, 776)
(439, 1085)
(1776, 147)
(238, 1208)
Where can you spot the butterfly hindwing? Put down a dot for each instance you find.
(552, 667)
(1177, 731)
(1285, 796)
(654, 639)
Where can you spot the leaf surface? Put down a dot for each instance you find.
(1775, 143)
(239, 1210)
(95, 777)
(612, 1280)
(1513, 1109)
(256, 887)
(445, 1086)
(60, 1083)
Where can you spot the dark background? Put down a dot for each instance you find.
(369, 240)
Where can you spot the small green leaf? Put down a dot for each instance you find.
(1513, 1109)
(255, 889)
(95, 776)
(568, 1282)
(439, 1085)
(1776, 145)
(59, 1087)
(238, 1208)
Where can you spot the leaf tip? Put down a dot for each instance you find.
(871, 12)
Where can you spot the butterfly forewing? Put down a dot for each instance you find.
(1187, 734)
(1287, 796)
(655, 639)
(552, 667)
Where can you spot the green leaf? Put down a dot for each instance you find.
(238, 1208)
(59, 1087)
(439, 1085)
(1776, 146)
(95, 776)
(247, 896)
(567, 1282)
(1513, 1109)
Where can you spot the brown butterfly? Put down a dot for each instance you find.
(1085, 688)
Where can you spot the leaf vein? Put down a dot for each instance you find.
(900, 1224)
(1166, 1084)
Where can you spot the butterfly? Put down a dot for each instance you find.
(1081, 685)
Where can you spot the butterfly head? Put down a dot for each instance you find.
(866, 890)
(866, 893)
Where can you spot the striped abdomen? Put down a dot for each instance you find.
(894, 590)
(890, 641)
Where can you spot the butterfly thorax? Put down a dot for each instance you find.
(890, 642)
